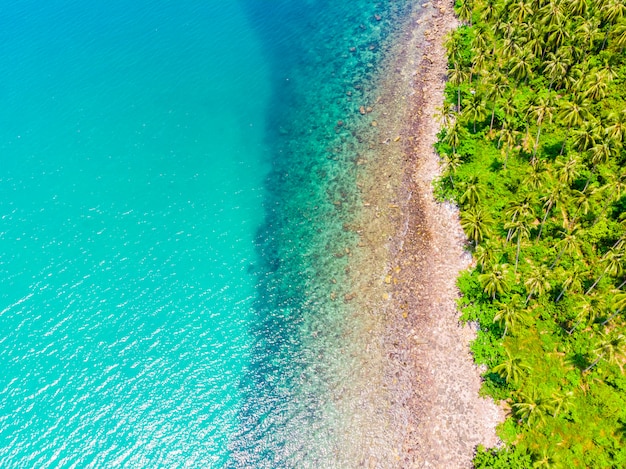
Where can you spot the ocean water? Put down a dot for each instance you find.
(176, 179)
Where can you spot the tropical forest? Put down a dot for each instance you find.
(532, 147)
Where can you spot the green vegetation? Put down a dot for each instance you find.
(533, 145)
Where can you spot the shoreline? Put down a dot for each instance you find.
(435, 416)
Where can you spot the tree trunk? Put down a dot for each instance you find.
(593, 364)
(536, 144)
(596, 282)
(612, 316)
(519, 242)
(544, 219)
(558, 257)
(493, 114)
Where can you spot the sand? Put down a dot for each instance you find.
(435, 416)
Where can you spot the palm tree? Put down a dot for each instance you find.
(465, 11)
(617, 128)
(521, 66)
(490, 10)
(552, 13)
(619, 303)
(597, 86)
(519, 229)
(587, 136)
(520, 10)
(602, 151)
(474, 191)
(494, 281)
(578, 7)
(510, 313)
(587, 34)
(618, 36)
(573, 280)
(537, 282)
(549, 200)
(511, 369)
(611, 348)
(454, 134)
(497, 89)
(555, 68)
(450, 164)
(484, 254)
(475, 222)
(542, 110)
(569, 244)
(509, 138)
(612, 266)
(457, 76)
(572, 114)
(475, 108)
(445, 114)
(613, 11)
(532, 408)
(592, 306)
(557, 35)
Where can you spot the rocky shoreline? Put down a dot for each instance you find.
(431, 382)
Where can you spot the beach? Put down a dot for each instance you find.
(435, 416)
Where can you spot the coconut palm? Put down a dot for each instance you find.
(519, 229)
(540, 111)
(612, 261)
(537, 282)
(497, 89)
(457, 76)
(533, 408)
(484, 254)
(510, 313)
(473, 192)
(597, 86)
(618, 305)
(613, 11)
(573, 280)
(464, 11)
(508, 138)
(587, 135)
(570, 243)
(555, 68)
(617, 127)
(520, 10)
(577, 7)
(454, 134)
(450, 164)
(445, 114)
(521, 66)
(511, 369)
(494, 281)
(550, 200)
(474, 108)
(475, 222)
(610, 348)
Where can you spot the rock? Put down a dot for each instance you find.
(362, 110)
(378, 17)
(374, 124)
(368, 109)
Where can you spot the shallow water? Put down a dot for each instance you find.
(175, 187)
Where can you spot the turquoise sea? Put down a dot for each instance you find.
(169, 177)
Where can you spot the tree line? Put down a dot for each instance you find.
(532, 144)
